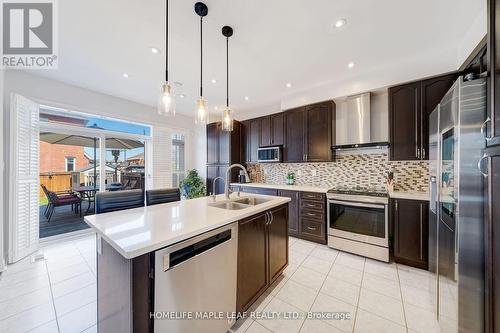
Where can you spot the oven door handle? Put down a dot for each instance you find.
(356, 204)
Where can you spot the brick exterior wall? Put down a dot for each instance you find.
(53, 157)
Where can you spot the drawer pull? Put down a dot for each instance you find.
(311, 214)
(311, 228)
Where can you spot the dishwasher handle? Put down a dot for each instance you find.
(176, 258)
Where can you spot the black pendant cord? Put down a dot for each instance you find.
(227, 72)
(166, 40)
(201, 56)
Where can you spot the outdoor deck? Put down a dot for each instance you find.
(63, 220)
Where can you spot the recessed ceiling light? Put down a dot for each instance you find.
(125, 75)
(214, 81)
(340, 23)
(246, 98)
(216, 107)
(350, 65)
(155, 50)
(182, 95)
(289, 85)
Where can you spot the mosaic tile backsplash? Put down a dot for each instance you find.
(348, 171)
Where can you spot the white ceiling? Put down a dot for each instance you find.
(274, 42)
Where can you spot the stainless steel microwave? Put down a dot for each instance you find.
(269, 154)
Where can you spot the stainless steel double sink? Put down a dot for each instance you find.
(239, 203)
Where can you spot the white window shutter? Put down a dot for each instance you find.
(24, 181)
(162, 158)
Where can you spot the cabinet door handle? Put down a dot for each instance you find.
(272, 217)
(423, 153)
(418, 152)
(396, 205)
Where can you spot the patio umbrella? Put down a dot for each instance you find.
(85, 141)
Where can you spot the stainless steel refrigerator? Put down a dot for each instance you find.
(456, 209)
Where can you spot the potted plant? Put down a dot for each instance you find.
(193, 186)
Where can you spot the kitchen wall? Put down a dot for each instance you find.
(351, 169)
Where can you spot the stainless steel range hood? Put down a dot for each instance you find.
(353, 124)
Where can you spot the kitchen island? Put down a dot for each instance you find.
(192, 255)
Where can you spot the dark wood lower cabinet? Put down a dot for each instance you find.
(262, 254)
(410, 219)
(252, 261)
(293, 211)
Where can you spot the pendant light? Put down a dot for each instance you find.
(166, 100)
(201, 112)
(227, 115)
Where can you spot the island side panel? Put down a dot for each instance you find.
(124, 292)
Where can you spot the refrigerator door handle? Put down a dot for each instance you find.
(483, 129)
(480, 165)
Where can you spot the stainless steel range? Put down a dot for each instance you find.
(358, 222)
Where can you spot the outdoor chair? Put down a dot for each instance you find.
(118, 200)
(60, 194)
(155, 197)
(57, 200)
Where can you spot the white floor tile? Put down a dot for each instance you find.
(316, 264)
(383, 306)
(382, 269)
(325, 303)
(25, 302)
(50, 327)
(241, 325)
(277, 285)
(93, 329)
(25, 275)
(79, 320)
(318, 326)
(28, 319)
(342, 290)
(73, 284)
(68, 272)
(54, 265)
(308, 278)
(255, 327)
(351, 261)
(347, 274)
(324, 253)
(281, 325)
(75, 300)
(418, 296)
(261, 302)
(369, 323)
(381, 285)
(412, 277)
(24, 287)
(296, 257)
(297, 295)
(420, 320)
(303, 247)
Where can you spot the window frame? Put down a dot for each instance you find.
(66, 160)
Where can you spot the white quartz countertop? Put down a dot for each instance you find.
(137, 231)
(303, 188)
(411, 195)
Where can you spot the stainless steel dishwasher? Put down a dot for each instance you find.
(197, 277)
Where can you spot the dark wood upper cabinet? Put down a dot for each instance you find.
(433, 90)
(410, 105)
(319, 132)
(213, 143)
(404, 119)
(295, 130)
(278, 130)
(309, 132)
(410, 219)
(265, 132)
(271, 131)
(254, 139)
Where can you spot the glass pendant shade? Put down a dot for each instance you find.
(201, 113)
(227, 119)
(166, 101)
